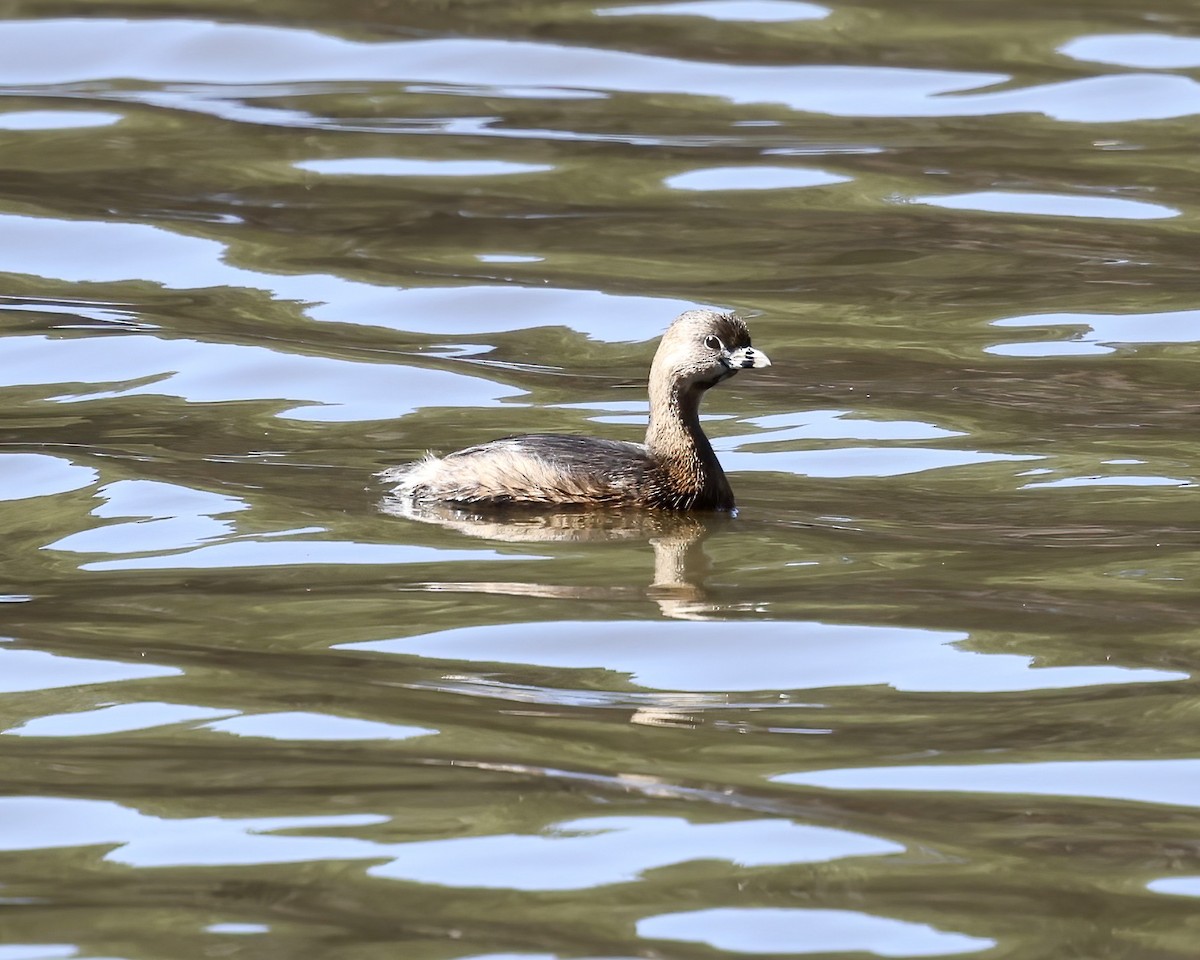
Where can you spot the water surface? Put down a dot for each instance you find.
(929, 694)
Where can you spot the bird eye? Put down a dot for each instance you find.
(713, 343)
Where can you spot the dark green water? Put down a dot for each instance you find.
(930, 694)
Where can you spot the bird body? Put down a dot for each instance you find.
(675, 469)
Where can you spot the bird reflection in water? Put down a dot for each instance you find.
(680, 563)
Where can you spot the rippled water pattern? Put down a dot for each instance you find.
(930, 694)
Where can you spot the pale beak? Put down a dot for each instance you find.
(746, 357)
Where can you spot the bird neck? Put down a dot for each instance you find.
(674, 437)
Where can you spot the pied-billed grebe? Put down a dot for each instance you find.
(675, 469)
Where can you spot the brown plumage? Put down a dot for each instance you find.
(675, 469)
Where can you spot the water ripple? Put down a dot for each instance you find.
(402, 167)
(1152, 51)
(288, 553)
(116, 718)
(27, 475)
(597, 851)
(752, 178)
(1051, 205)
(1098, 333)
(746, 11)
(298, 725)
(24, 670)
(328, 389)
(56, 119)
(1143, 781)
(766, 656)
(791, 931)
